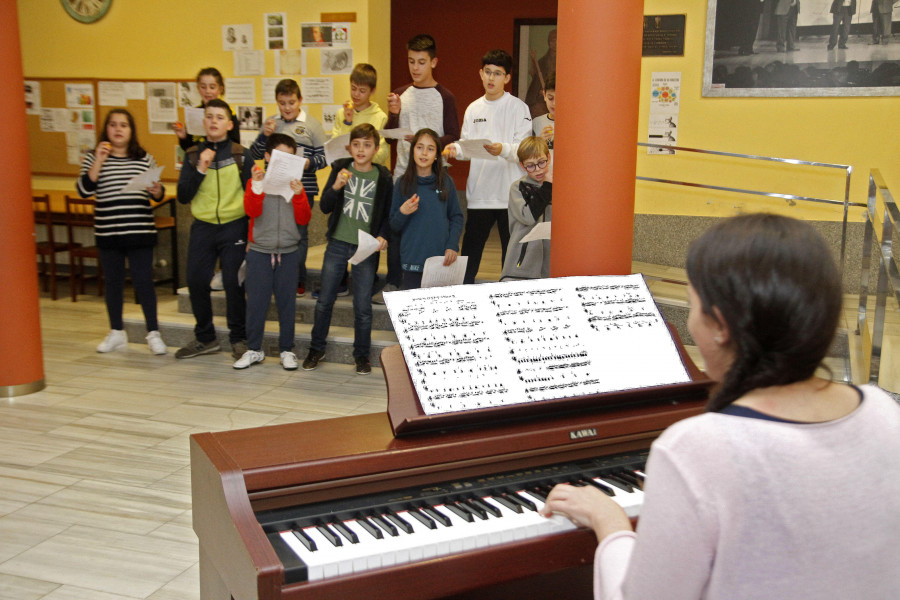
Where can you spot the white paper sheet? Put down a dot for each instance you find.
(366, 248)
(336, 148)
(111, 93)
(318, 90)
(435, 274)
(135, 90)
(398, 133)
(193, 120)
(283, 167)
(240, 91)
(497, 344)
(144, 180)
(249, 62)
(162, 108)
(541, 231)
(475, 149)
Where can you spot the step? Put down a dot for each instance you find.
(177, 330)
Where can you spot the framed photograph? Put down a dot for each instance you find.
(789, 48)
(534, 57)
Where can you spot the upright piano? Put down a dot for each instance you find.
(254, 489)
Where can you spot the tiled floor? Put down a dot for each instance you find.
(94, 470)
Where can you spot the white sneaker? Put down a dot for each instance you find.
(156, 344)
(250, 357)
(289, 361)
(216, 282)
(114, 340)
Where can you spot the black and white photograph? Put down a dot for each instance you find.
(250, 117)
(789, 48)
(237, 37)
(276, 30)
(336, 61)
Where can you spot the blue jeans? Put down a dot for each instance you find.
(334, 263)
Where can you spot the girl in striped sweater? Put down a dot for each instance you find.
(123, 223)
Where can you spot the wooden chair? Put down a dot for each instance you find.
(80, 213)
(49, 248)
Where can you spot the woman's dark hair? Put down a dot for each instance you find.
(409, 180)
(776, 287)
(134, 147)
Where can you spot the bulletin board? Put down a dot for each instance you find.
(48, 148)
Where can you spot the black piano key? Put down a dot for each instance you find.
(422, 518)
(381, 522)
(485, 506)
(465, 504)
(615, 481)
(630, 477)
(398, 521)
(304, 539)
(329, 535)
(346, 532)
(437, 516)
(513, 506)
(525, 502)
(373, 531)
(460, 512)
(539, 491)
(604, 487)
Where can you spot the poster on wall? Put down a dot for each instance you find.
(240, 91)
(188, 94)
(336, 61)
(32, 97)
(111, 93)
(319, 35)
(534, 57)
(665, 98)
(162, 106)
(249, 117)
(290, 62)
(276, 30)
(317, 90)
(79, 95)
(793, 48)
(249, 62)
(329, 115)
(237, 37)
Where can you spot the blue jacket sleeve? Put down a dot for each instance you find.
(331, 197)
(454, 214)
(188, 182)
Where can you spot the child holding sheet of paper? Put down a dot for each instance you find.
(124, 226)
(425, 210)
(357, 200)
(273, 256)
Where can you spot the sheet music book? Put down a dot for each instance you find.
(497, 344)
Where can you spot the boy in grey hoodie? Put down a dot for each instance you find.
(273, 258)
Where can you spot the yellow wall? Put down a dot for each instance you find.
(168, 39)
(863, 132)
(175, 38)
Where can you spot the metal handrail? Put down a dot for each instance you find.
(790, 198)
(888, 280)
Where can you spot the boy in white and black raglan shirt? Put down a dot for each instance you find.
(422, 104)
(212, 181)
(505, 121)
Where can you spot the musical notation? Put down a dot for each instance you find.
(476, 346)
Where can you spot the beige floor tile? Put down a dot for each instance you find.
(30, 485)
(184, 587)
(103, 462)
(109, 506)
(71, 592)
(19, 532)
(105, 561)
(24, 588)
(118, 430)
(212, 418)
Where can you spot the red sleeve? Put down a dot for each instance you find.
(451, 117)
(302, 212)
(253, 203)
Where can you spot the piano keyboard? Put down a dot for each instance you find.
(355, 535)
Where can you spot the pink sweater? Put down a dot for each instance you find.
(739, 508)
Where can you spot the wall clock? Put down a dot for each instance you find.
(86, 11)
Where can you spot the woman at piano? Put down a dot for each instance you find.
(788, 486)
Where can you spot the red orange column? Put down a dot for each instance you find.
(598, 67)
(20, 326)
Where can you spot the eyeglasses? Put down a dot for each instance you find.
(530, 167)
(492, 74)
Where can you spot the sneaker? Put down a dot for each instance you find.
(114, 340)
(343, 290)
(301, 290)
(216, 282)
(238, 349)
(248, 358)
(156, 344)
(379, 297)
(312, 359)
(289, 360)
(196, 348)
(363, 366)
(315, 293)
